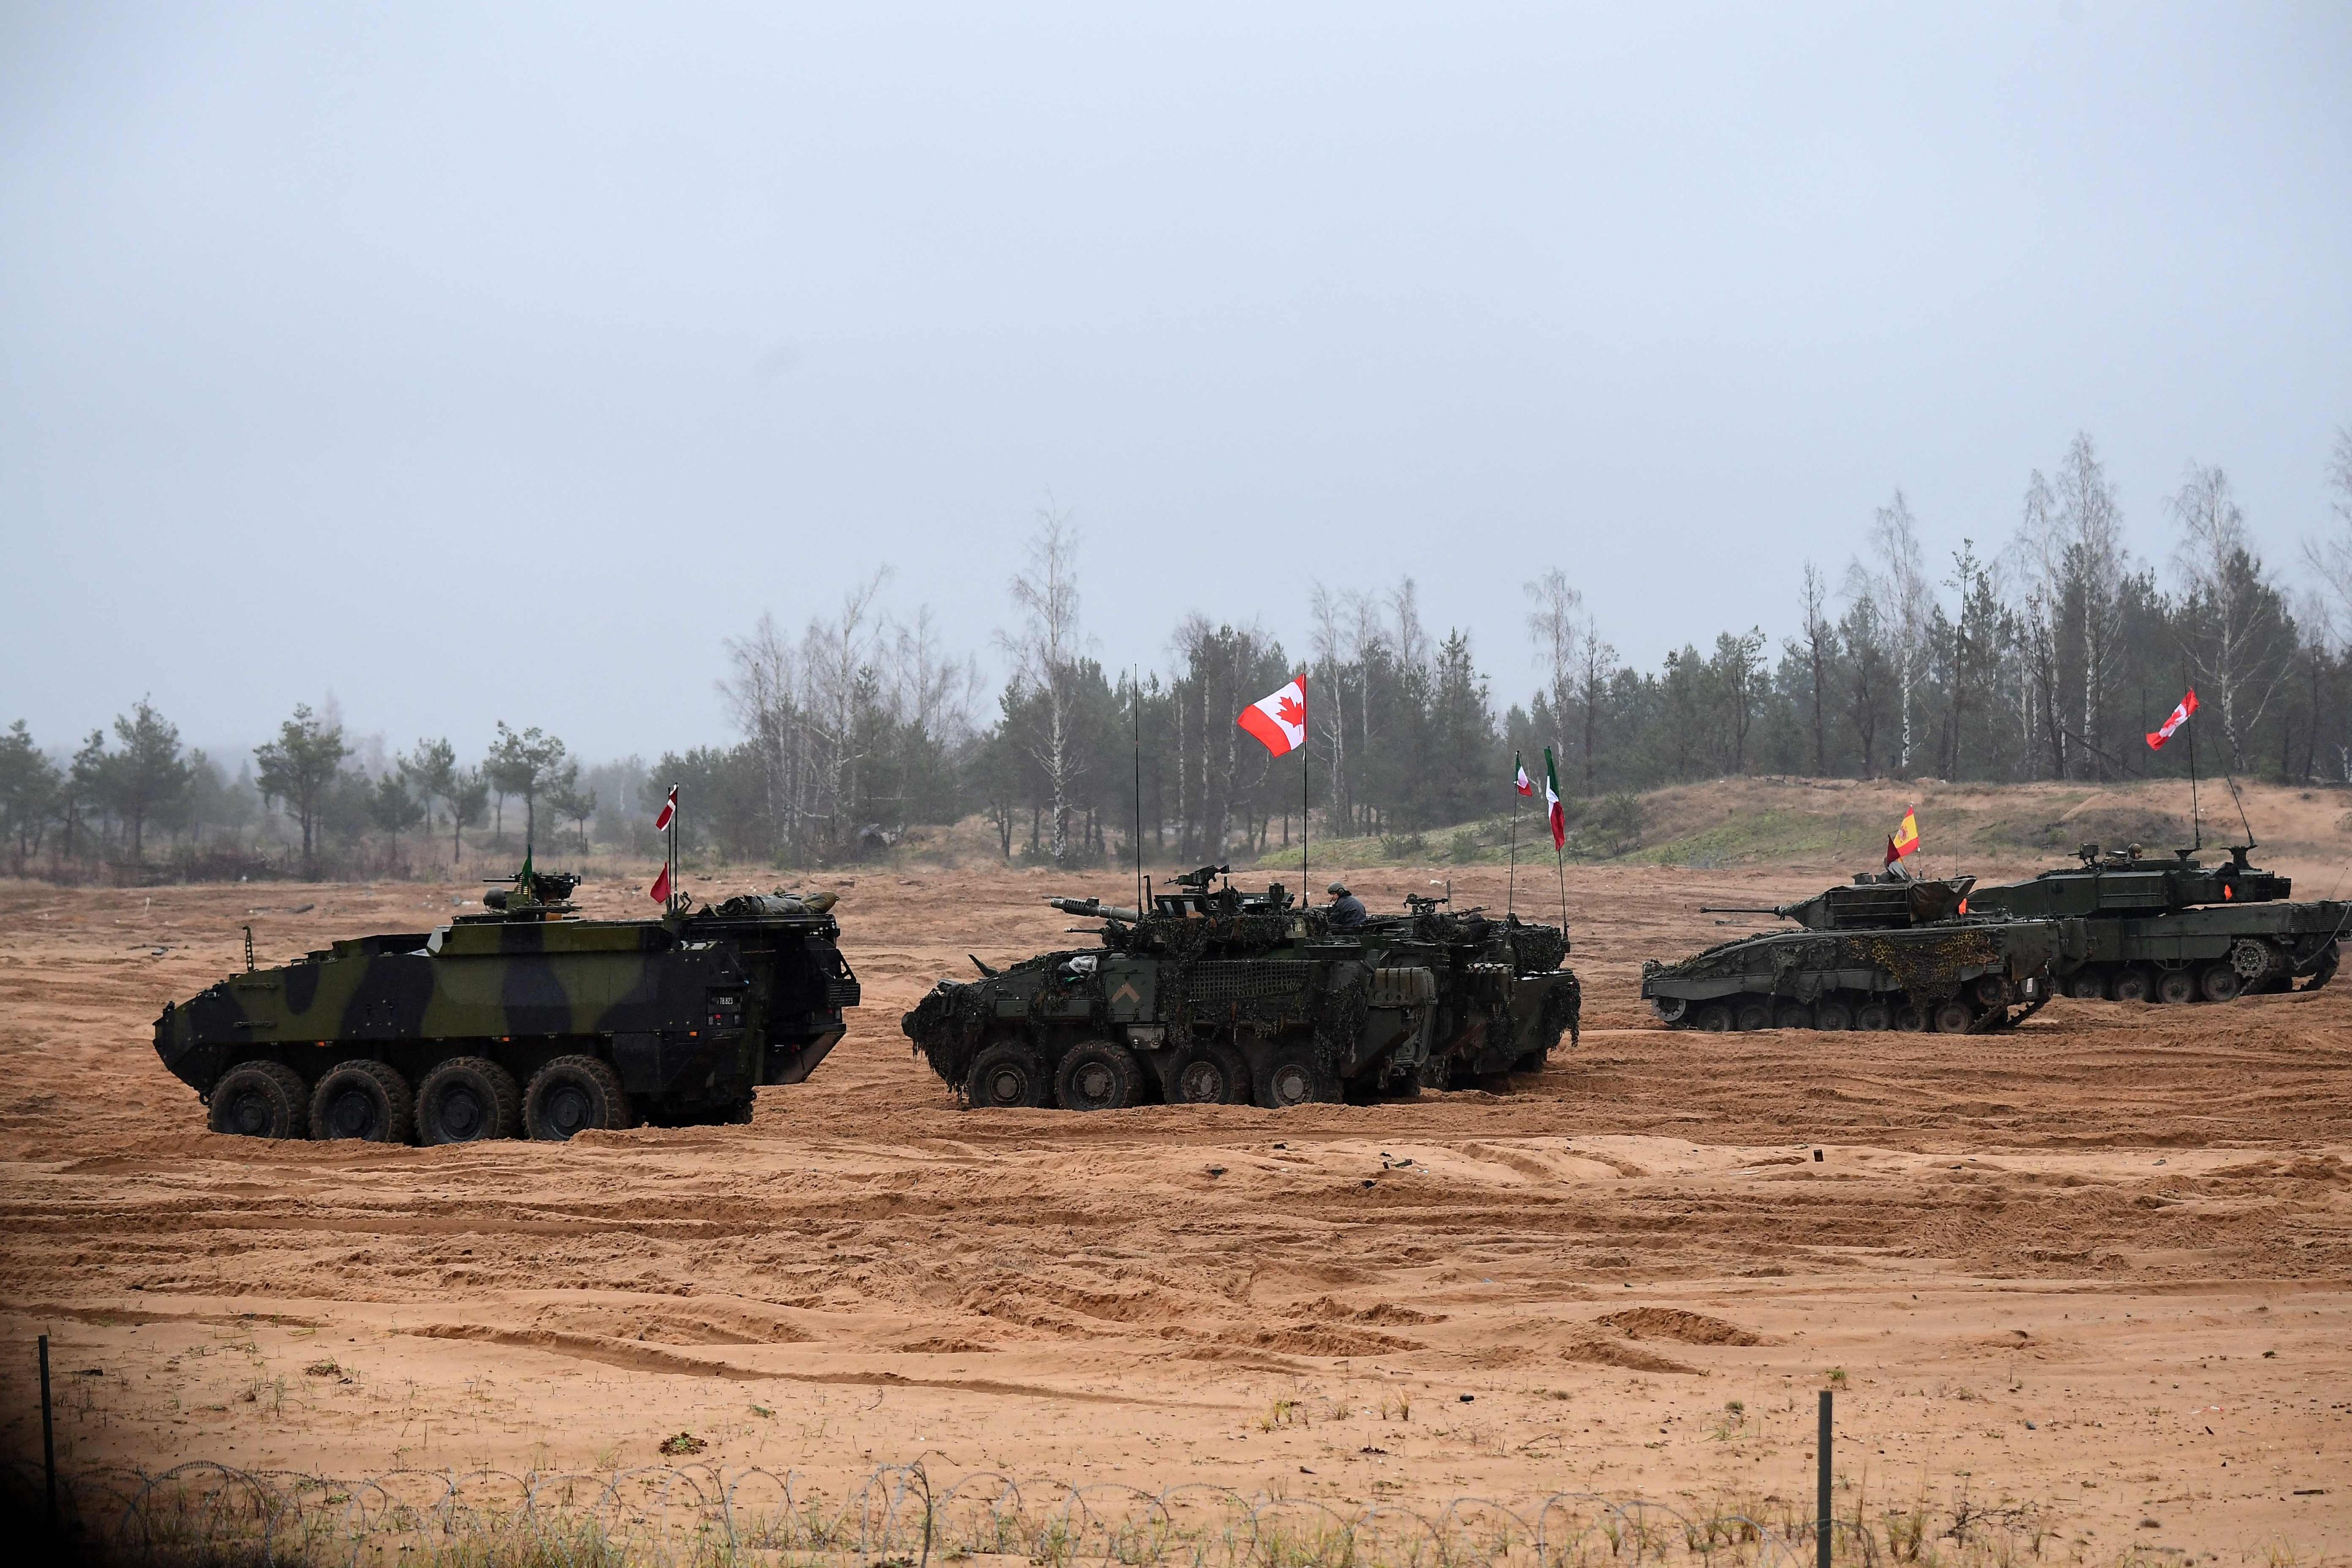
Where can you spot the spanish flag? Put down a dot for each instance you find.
(1907, 838)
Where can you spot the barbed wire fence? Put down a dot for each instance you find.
(202, 1514)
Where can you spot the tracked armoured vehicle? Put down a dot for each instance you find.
(1886, 952)
(2178, 930)
(1212, 995)
(524, 1018)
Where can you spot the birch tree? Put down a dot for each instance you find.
(1043, 650)
(2237, 636)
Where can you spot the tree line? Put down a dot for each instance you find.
(2045, 655)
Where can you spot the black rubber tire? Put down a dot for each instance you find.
(364, 1099)
(1713, 1018)
(2131, 986)
(1749, 1016)
(260, 1100)
(2087, 985)
(1910, 1018)
(466, 1099)
(572, 1095)
(1953, 1017)
(1874, 1016)
(1098, 1075)
(2219, 983)
(2175, 986)
(1792, 1016)
(1990, 990)
(1207, 1074)
(1834, 1018)
(1007, 1076)
(1296, 1076)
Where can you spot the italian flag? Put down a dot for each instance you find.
(1519, 780)
(1552, 808)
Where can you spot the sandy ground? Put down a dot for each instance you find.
(2102, 1265)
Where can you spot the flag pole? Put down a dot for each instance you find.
(673, 854)
(1305, 800)
(1511, 882)
(1135, 712)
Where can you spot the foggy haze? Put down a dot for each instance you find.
(480, 366)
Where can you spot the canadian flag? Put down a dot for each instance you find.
(2163, 733)
(1279, 720)
(669, 810)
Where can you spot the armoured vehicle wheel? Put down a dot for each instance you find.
(1752, 1015)
(1007, 1076)
(572, 1095)
(2327, 969)
(2089, 985)
(1954, 1018)
(2219, 983)
(1910, 1019)
(2250, 959)
(363, 1099)
(1990, 991)
(2176, 986)
(1209, 1075)
(1873, 1016)
(1670, 1009)
(1098, 1075)
(465, 1100)
(260, 1100)
(1834, 1016)
(1715, 1018)
(1793, 1015)
(2130, 985)
(1295, 1077)
(1531, 1061)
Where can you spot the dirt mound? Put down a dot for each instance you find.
(1673, 1324)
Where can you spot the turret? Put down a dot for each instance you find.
(2121, 884)
(1870, 903)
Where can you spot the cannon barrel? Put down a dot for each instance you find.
(1094, 908)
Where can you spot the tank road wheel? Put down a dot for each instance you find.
(2219, 983)
(1874, 1014)
(1833, 1016)
(1294, 1077)
(1670, 1010)
(572, 1095)
(1750, 1016)
(363, 1099)
(1911, 1018)
(260, 1100)
(1953, 1017)
(2130, 985)
(1007, 1076)
(1715, 1018)
(1098, 1075)
(465, 1100)
(2087, 985)
(2176, 986)
(1792, 1016)
(1990, 991)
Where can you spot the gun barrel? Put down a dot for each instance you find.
(1738, 910)
(1094, 908)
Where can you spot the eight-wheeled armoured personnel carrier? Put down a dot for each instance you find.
(1886, 952)
(1213, 996)
(525, 1017)
(2178, 930)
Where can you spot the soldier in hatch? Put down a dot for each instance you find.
(1347, 909)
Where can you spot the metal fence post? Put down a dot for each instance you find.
(1821, 1524)
(49, 1440)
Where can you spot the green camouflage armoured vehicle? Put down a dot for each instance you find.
(523, 1018)
(1503, 999)
(1217, 996)
(2176, 930)
(1886, 952)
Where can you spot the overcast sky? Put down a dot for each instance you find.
(479, 362)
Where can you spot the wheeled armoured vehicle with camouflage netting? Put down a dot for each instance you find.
(1210, 996)
(524, 1018)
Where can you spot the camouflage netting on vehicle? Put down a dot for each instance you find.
(1534, 949)
(1929, 970)
(1563, 1010)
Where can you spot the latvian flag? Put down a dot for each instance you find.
(2163, 733)
(1279, 720)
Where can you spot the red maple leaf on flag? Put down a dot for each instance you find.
(1292, 712)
